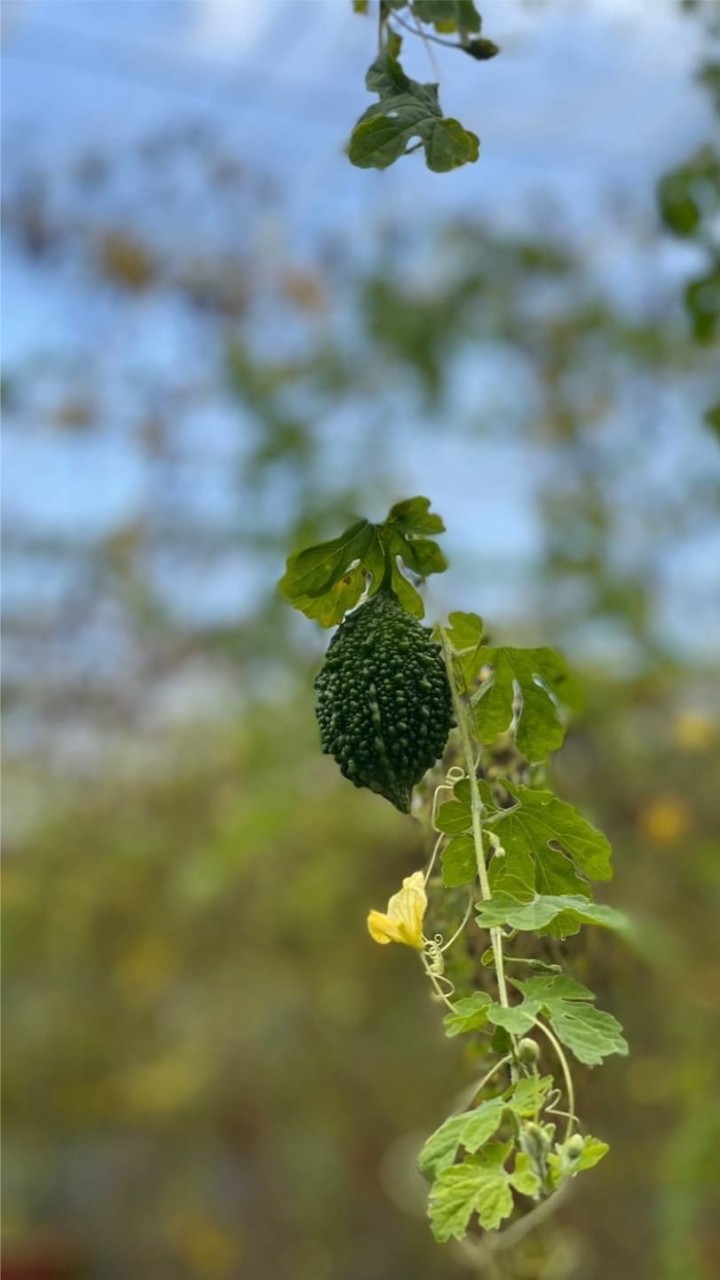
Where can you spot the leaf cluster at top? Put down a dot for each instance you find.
(407, 109)
(326, 580)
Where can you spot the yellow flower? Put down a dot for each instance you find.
(664, 819)
(404, 919)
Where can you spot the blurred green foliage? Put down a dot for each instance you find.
(211, 1071)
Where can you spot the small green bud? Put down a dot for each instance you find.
(574, 1146)
(528, 1052)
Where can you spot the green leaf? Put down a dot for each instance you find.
(541, 910)
(522, 874)
(542, 680)
(448, 15)
(573, 1156)
(455, 816)
(464, 634)
(407, 109)
(479, 1185)
(326, 580)
(589, 1033)
(314, 578)
(546, 987)
(470, 1129)
(529, 1095)
(471, 1013)
(537, 822)
(711, 418)
(465, 631)
(459, 865)
(517, 1020)
(702, 299)
(592, 1152)
(523, 1177)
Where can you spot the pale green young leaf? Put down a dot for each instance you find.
(481, 1185)
(530, 1094)
(592, 1152)
(471, 1013)
(544, 682)
(470, 1130)
(569, 1158)
(524, 1178)
(538, 913)
(459, 865)
(517, 1019)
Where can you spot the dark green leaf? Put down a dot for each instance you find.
(407, 110)
(459, 865)
(325, 581)
(448, 15)
(542, 680)
(539, 820)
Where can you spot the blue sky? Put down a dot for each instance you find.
(590, 101)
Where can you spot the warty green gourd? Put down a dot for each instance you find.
(383, 699)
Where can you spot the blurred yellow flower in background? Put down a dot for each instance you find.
(405, 913)
(664, 819)
(693, 730)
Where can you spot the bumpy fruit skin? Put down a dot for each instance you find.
(384, 705)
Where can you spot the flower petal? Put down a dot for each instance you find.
(404, 919)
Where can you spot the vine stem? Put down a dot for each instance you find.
(569, 1088)
(476, 809)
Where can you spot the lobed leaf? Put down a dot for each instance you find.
(479, 1185)
(588, 1032)
(525, 689)
(470, 1129)
(327, 580)
(529, 1095)
(406, 110)
(542, 910)
(471, 1013)
(528, 832)
(459, 865)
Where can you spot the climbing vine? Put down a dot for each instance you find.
(407, 116)
(510, 864)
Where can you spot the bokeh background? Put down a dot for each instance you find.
(221, 342)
